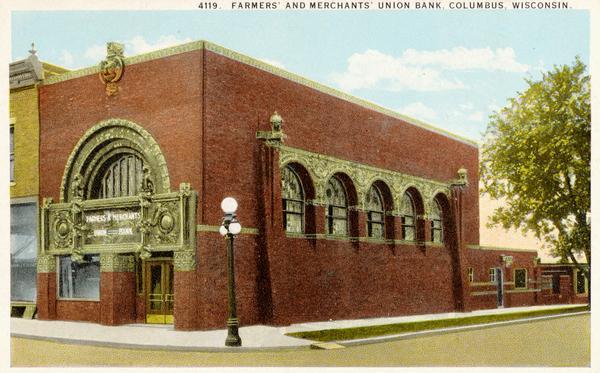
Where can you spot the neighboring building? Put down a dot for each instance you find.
(25, 76)
(564, 283)
(560, 283)
(349, 210)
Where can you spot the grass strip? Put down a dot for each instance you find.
(408, 327)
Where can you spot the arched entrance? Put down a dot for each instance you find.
(118, 214)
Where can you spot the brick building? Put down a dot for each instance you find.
(349, 210)
(24, 77)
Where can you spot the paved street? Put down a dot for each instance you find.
(562, 341)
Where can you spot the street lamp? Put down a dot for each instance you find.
(229, 229)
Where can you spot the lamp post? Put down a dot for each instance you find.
(229, 229)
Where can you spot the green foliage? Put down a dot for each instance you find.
(536, 158)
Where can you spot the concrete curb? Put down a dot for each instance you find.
(426, 333)
(345, 343)
(133, 346)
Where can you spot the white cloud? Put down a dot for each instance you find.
(419, 110)
(66, 58)
(373, 69)
(95, 53)
(461, 58)
(422, 70)
(139, 45)
(273, 62)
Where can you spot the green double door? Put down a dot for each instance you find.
(159, 292)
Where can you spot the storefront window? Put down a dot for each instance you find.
(23, 251)
(79, 280)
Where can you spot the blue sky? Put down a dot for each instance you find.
(450, 68)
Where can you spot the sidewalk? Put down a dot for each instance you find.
(253, 337)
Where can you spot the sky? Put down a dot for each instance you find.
(451, 69)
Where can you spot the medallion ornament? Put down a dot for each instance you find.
(111, 69)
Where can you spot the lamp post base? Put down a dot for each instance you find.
(233, 338)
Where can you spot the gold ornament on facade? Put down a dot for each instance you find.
(111, 69)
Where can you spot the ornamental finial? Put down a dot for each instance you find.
(32, 51)
(276, 122)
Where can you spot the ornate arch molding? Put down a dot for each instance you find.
(322, 167)
(102, 141)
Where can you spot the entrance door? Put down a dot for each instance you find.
(500, 287)
(159, 292)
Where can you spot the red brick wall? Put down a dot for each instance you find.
(239, 100)
(163, 96)
(210, 140)
(482, 260)
(78, 310)
(117, 297)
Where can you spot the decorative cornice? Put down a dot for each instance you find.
(201, 44)
(111, 262)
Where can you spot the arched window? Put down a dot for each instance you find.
(375, 213)
(437, 230)
(337, 207)
(293, 201)
(408, 217)
(122, 177)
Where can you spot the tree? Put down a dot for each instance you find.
(536, 157)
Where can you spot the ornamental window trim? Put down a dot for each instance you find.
(375, 212)
(288, 175)
(437, 222)
(336, 212)
(408, 218)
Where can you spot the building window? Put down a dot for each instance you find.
(437, 231)
(520, 278)
(492, 274)
(408, 217)
(12, 153)
(470, 274)
(293, 201)
(23, 251)
(375, 213)
(580, 282)
(122, 177)
(337, 207)
(79, 280)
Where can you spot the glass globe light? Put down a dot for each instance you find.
(229, 205)
(223, 230)
(235, 227)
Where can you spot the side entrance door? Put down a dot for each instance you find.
(500, 287)
(159, 291)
